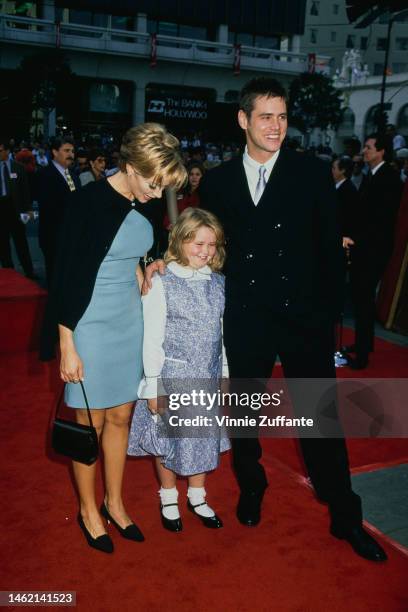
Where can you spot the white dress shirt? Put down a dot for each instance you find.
(374, 170)
(155, 316)
(339, 184)
(61, 170)
(252, 170)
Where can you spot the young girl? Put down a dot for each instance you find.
(183, 342)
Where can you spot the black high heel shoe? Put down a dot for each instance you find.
(213, 522)
(131, 532)
(102, 543)
(170, 524)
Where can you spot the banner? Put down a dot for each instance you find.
(58, 34)
(311, 63)
(153, 50)
(237, 59)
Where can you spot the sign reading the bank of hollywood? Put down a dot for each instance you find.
(176, 108)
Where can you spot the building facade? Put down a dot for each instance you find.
(177, 62)
(328, 31)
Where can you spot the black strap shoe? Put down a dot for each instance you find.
(170, 524)
(249, 507)
(102, 543)
(362, 543)
(131, 532)
(213, 522)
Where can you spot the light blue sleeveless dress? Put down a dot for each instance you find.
(193, 360)
(109, 335)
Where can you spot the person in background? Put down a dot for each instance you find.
(114, 164)
(398, 140)
(373, 242)
(15, 210)
(348, 197)
(81, 163)
(97, 163)
(54, 184)
(191, 196)
(358, 177)
(41, 159)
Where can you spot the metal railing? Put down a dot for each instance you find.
(24, 30)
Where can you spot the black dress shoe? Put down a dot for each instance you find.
(249, 507)
(213, 522)
(170, 524)
(362, 543)
(131, 532)
(359, 363)
(102, 543)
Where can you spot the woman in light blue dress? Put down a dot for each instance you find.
(101, 338)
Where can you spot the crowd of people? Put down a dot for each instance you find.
(100, 212)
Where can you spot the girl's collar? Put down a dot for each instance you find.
(187, 272)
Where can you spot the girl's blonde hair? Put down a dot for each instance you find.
(153, 152)
(185, 230)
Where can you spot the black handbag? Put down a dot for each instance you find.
(76, 441)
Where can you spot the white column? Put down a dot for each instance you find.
(222, 33)
(296, 44)
(139, 103)
(141, 22)
(49, 10)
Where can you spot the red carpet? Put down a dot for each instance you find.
(387, 361)
(22, 304)
(287, 564)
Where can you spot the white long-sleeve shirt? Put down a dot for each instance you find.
(155, 315)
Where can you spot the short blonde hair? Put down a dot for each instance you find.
(153, 152)
(185, 230)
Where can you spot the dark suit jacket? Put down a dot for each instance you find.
(348, 207)
(284, 254)
(52, 194)
(379, 204)
(18, 188)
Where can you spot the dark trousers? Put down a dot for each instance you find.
(253, 339)
(365, 273)
(11, 226)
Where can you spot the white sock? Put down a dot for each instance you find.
(169, 496)
(196, 495)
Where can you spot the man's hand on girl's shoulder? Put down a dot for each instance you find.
(155, 266)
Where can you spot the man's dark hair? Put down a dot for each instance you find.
(382, 142)
(260, 86)
(5, 144)
(345, 164)
(57, 143)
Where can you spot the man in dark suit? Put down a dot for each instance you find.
(283, 293)
(54, 184)
(14, 202)
(347, 196)
(373, 242)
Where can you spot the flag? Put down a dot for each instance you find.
(153, 50)
(237, 59)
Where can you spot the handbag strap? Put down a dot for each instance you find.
(85, 398)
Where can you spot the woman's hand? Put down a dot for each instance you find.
(71, 366)
(158, 405)
(156, 266)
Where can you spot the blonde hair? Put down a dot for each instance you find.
(153, 152)
(185, 230)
